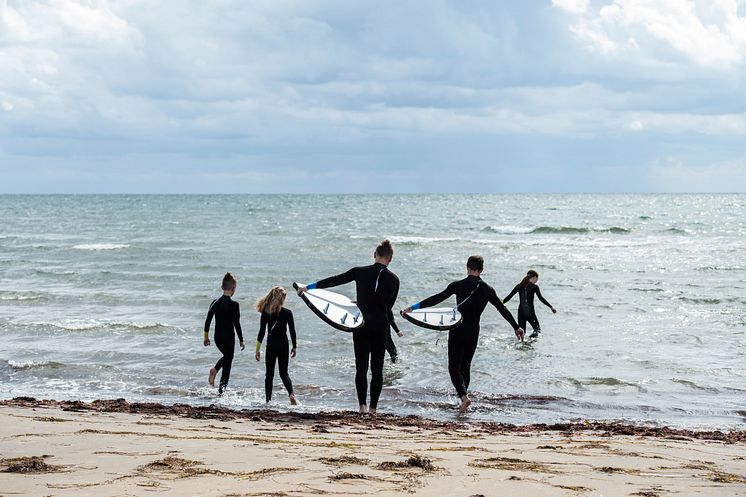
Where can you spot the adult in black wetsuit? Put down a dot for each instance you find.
(526, 290)
(377, 289)
(391, 346)
(276, 320)
(472, 295)
(227, 318)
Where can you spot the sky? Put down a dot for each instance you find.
(307, 96)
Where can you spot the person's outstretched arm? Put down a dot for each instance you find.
(332, 281)
(208, 321)
(291, 327)
(260, 336)
(505, 313)
(433, 300)
(543, 300)
(510, 295)
(237, 325)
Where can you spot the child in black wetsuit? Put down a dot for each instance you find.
(276, 320)
(227, 318)
(526, 290)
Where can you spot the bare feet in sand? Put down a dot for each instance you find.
(372, 411)
(211, 378)
(363, 409)
(465, 403)
(293, 400)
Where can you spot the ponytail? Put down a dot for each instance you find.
(385, 249)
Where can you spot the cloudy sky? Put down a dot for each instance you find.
(385, 96)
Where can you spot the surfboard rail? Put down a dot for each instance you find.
(434, 318)
(338, 312)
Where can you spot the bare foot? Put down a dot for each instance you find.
(363, 409)
(465, 403)
(211, 378)
(372, 411)
(293, 400)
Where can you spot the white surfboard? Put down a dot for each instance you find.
(335, 309)
(435, 318)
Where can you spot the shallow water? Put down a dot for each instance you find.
(105, 297)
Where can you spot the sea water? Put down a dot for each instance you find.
(105, 296)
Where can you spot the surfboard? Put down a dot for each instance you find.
(333, 308)
(435, 318)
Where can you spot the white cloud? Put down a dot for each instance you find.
(709, 33)
(673, 174)
(572, 6)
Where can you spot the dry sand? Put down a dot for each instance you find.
(114, 448)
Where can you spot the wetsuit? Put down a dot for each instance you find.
(526, 311)
(227, 317)
(472, 295)
(390, 345)
(377, 289)
(276, 326)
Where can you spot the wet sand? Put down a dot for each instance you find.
(116, 448)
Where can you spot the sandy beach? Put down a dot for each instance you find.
(115, 448)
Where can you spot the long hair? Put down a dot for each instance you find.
(272, 302)
(531, 273)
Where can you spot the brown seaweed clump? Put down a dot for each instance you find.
(414, 461)
(344, 460)
(348, 476)
(33, 464)
(511, 464)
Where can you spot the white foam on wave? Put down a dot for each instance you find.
(101, 246)
(509, 230)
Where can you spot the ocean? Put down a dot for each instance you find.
(105, 296)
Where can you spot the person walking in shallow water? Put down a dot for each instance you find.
(526, 290)
(276, 321)
(472, 296)
(377, 289)
(227, 319)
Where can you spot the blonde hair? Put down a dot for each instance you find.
(272, 302)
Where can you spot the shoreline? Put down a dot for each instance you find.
(351, 418)
(113, 447)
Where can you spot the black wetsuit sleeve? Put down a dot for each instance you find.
(510, 295)
(543, 300)
(392, 323)
(337, 280)
(492, 296)
(438, 297)
(237, 322)
(210, 314)
(262, 327)
(291, 327)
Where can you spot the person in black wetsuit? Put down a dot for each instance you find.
(276, 320)
(472, 295)
(377, 289)
(391, 346)
(227, 318)
(526, 290)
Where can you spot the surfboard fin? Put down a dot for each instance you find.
(326, 309)
(344, 318)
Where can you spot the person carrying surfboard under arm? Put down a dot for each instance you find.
(472, 295)
(377, 289)
(227, 318)
(275, 321)
(526, 290)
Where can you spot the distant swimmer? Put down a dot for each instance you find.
(227, 318)
(472, 295)
(526, 290)
(377, 289)
(276, 321)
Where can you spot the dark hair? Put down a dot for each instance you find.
(531, 273)
(475, 262)
(229, 282)
(385, 249)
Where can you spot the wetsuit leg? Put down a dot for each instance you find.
(226, 347)
(377, 356)
(269, 376)
(391, 346)
(362, 343)
(283, 357)
(455, 359)
(522, 317)
(470, 347)
(534, 322)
